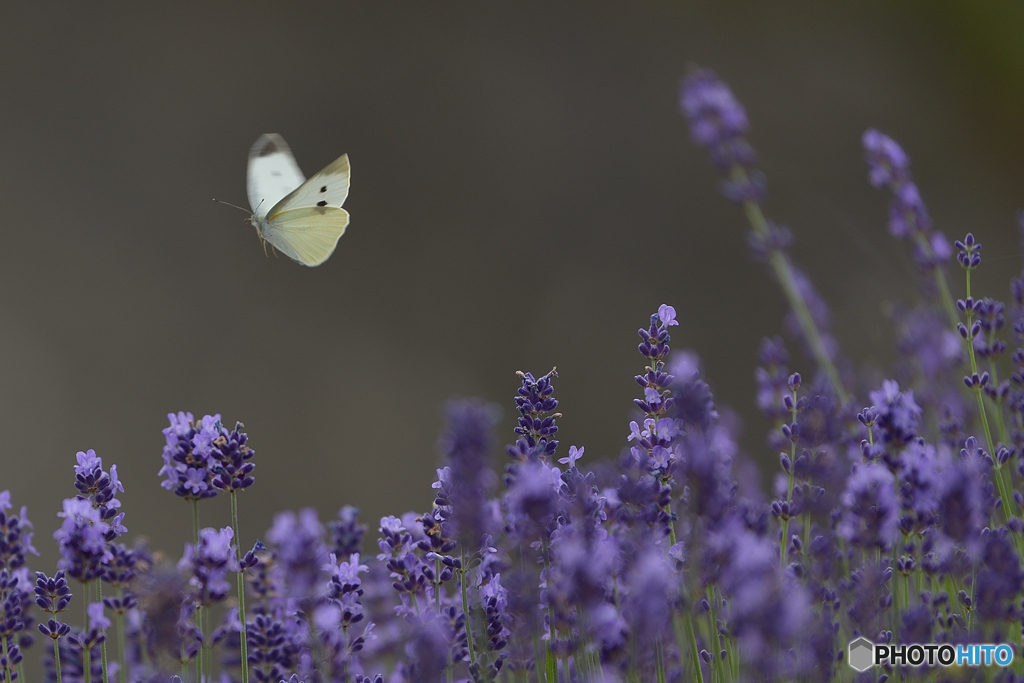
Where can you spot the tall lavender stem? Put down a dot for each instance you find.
(240, 583)
(783, 269)
(719, 124)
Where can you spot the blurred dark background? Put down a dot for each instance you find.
(524, 194)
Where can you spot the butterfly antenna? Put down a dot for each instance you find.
(235, 206)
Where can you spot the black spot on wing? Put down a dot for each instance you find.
(267, 148)
(321, 203)
(323, 189)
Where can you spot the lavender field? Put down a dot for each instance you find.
(894, 517)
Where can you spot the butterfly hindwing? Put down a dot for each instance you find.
(328, 188)
(273, 172)
(302, 219)
(308, 235)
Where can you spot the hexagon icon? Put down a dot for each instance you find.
(862, 654)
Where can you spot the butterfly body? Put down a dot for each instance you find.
(301, 218)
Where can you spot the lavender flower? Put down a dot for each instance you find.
(11, 623)
(188, 471)
(427, 652)
(300, 553)
(718, 123)
(86, 643)
(407, 569)
(346, 533)
(767, 610)
(229, 454)
(652, 594)
(100, 489)
(965, 497)
(82, 539)
(772, 386)
(654, 347)
(889, 167)
(495, 601)
(274, 649)
(15, 542)
(999, 582)
(537, 424)
(466, 444)
(345, 588)
(533, 496)
(53, 596)
(897, 415)
(870, 508)
(208, 563)
(120, 572)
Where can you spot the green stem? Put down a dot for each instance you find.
(698, 673)
(201, 654)
(997, 402)
(465, 608)
(1001, 485)
(784, 273)
(677, 630)
(940, 280)
(119, 625)
(715, 635)
(974, 370)
(195, 520)
(550, 665)
(241, 589)
(659, 662)
(56, 654)
(897, 596)
(103, 645)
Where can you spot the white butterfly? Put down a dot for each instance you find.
(302, 219)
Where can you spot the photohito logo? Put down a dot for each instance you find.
(863, 654)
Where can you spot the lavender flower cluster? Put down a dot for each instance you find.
(895, 518)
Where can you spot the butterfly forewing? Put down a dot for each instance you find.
(308, 235)
(328, 188)
(273, 172)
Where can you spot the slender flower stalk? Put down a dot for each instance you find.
(791, 432)
(201, 459)
(53, 596)
(240, 591)
(654, 451)
(718, 123)
(889, 167)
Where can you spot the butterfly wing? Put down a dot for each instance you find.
(308, 235)
(328, 188)
(273, 172)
